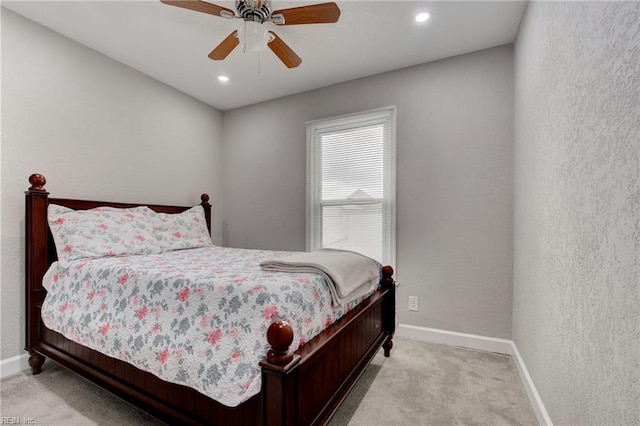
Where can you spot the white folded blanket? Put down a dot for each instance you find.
(348, 274)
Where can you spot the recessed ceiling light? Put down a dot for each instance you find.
(421, 17)
(223, 78)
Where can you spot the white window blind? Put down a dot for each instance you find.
(351, 184)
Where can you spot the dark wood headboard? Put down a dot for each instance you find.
(40, 247)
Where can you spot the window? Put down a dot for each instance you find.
(351, 184)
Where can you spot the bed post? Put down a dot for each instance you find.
(207, 210)
(280, 377)
(36, 234)
(389, 308)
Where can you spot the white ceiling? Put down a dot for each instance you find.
(171, 44)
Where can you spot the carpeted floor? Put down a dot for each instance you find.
(420, 384)
(430, 384)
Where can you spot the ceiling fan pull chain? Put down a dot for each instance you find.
(244, 36)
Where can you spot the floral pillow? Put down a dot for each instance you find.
(181, 231)
(104, 231)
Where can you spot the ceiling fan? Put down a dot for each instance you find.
(252, 34)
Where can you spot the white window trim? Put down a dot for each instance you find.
(342, 120)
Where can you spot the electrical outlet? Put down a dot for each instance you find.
(413, 303)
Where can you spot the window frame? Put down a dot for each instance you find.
(314, 179)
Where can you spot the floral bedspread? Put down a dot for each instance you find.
(196, 317)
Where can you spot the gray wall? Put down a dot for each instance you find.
(576, 307)
(96, 129)
(454, 182)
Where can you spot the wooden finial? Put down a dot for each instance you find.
(205, 199)
(387, 275)
(280, 337)
(37, 182)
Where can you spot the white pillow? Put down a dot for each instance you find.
(182, 230)
(99, 232)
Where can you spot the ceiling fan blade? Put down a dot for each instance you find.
(284, 52)
(324, 13)
(225, 47)
(201, 6)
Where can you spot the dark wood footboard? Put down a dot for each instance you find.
(308, 388)
(304, 387)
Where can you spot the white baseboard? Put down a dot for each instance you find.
(471, 341)
(483, 343)
(13, 365)
(532, 392)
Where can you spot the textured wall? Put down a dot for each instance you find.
(96, 129)
(454, 182)
(576, 239)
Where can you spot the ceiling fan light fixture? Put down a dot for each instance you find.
(253, 36)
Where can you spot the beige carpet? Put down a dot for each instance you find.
(420, 384)
(429, 384)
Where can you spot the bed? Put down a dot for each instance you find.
(299, 386)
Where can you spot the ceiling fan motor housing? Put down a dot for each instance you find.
(254, 10)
